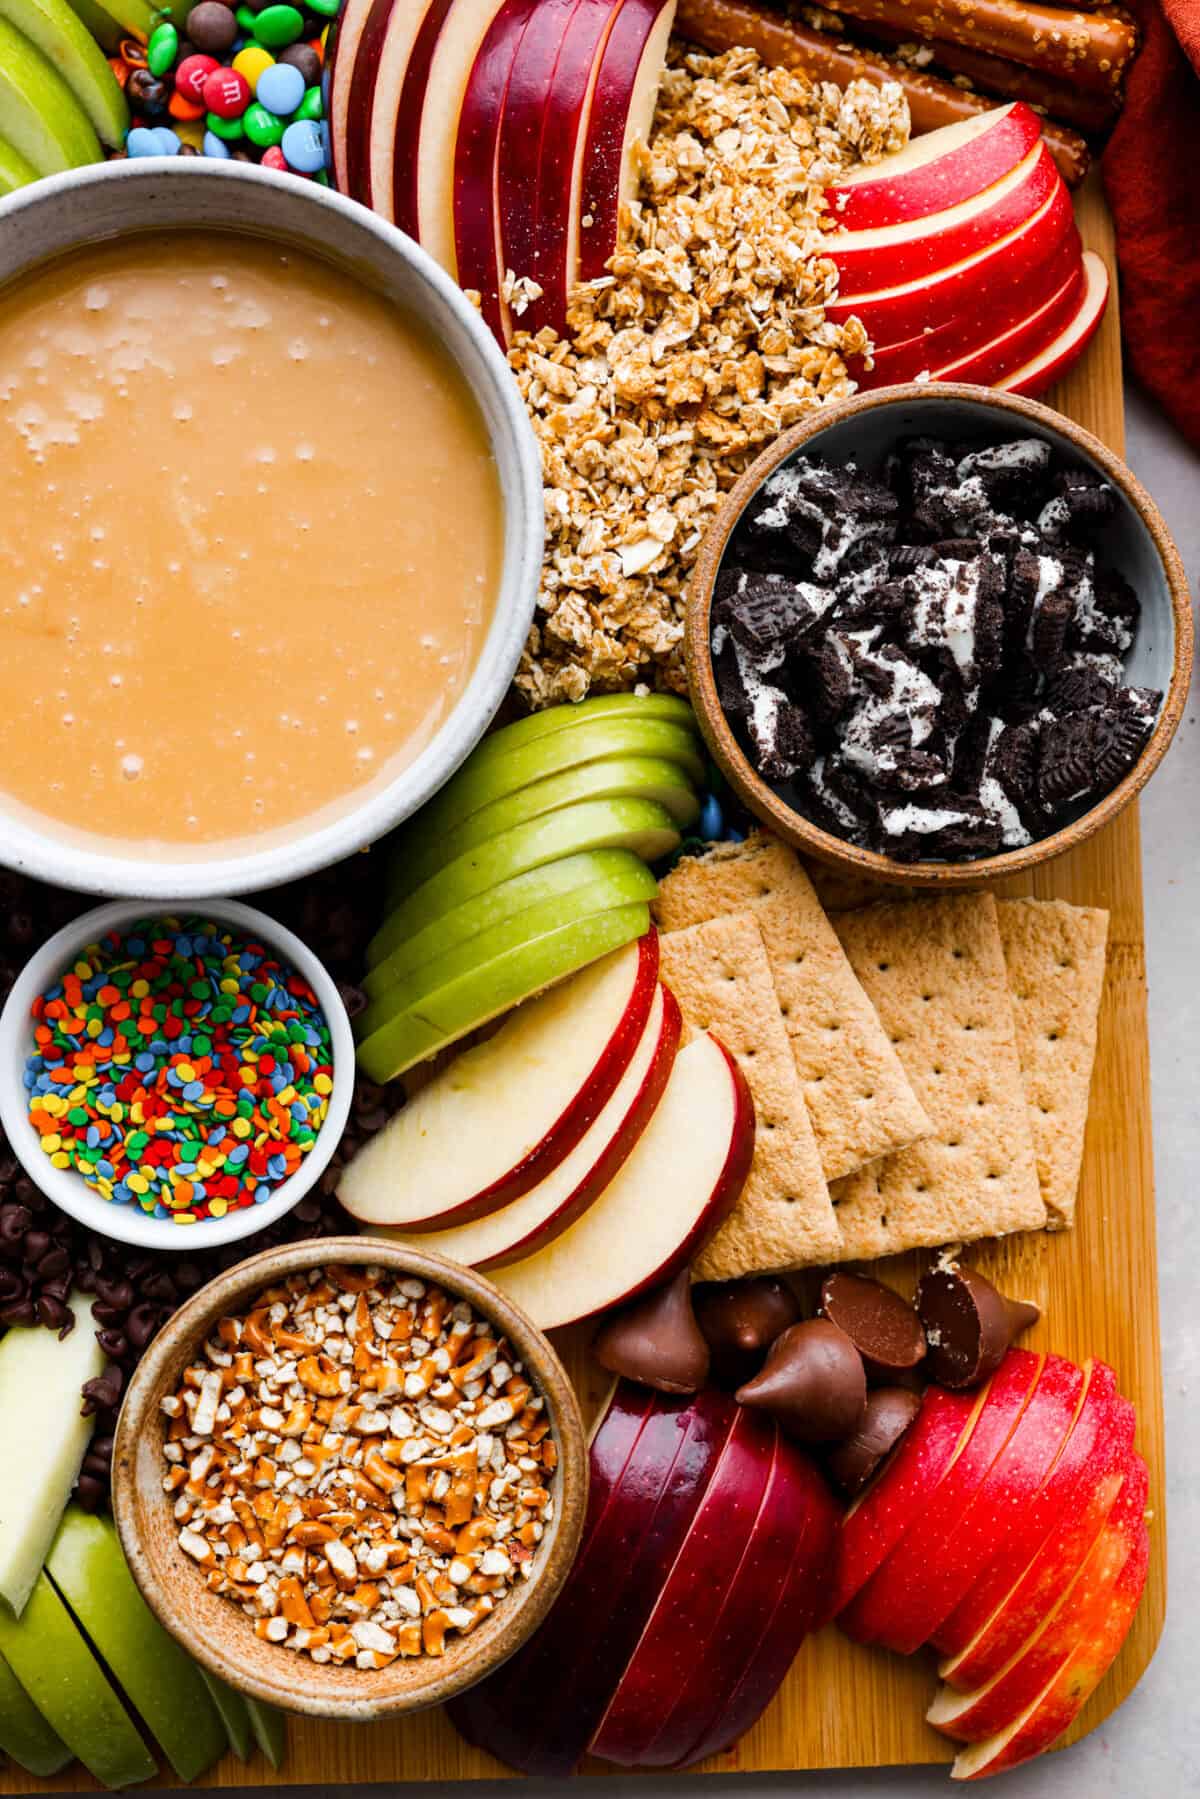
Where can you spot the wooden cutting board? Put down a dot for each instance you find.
(844, 1706)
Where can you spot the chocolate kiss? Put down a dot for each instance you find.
(883, 1327)
(969, 1324)
(812, 1383)
(888, 1414)
(740, 1320)
(656, 1340)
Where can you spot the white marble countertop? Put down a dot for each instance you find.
(1151, 1746)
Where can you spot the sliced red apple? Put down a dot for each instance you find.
(507, 1112)
(705, 1568)
(937, 169)
(1054, 361)
(963, 1530)
(684, 1175)
(527, 101)
(894, 314)
(1001, 1609)
(527, 1224)
(891, 254)
(1076, 1614)
(383, 113)
(622, 109)
(539, 1711)
(343, 56)
(1072, 1685)
(1014, 346)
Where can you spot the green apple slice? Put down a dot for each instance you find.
(100, 25)
(507, 902)
(160, 1680)
(15, 171)
(48, 1655)
(642, 826)
(44, 1439)
(571, 908)
(270, 1730)
(632, 777)
(54, 29)
(25, 1736)
(132, 18)
(235, 1714)
(450, 1012)
(667, 707)
(39, 115)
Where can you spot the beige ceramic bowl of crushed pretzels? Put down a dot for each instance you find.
(350, 1478)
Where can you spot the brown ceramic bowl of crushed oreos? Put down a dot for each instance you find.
(1020, 738)
(350, 1478)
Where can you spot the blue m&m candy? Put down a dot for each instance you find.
(304, 146)
(280, 89)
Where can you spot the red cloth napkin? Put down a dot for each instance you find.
(1152, 176)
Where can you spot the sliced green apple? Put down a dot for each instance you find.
(270, 1730)
(625, 777)
(642, 826)
(494, 773)
(235, 1715)
(39, 115)
(54, 29)
(162, 1683)
(44, 1439)
(15, 170)
(25, 1736)
(487, 910)
(134, 18)
(102, 26)
(450, 1012)
(634, 882)
(47, 1653)
(668, 707)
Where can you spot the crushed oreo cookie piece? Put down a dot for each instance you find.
(931, 660)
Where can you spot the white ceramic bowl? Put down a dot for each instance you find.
(152, 194)
(68, 1190)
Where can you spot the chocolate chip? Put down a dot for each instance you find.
(888, 1414)
(812, 1383)
(740, 1320)
(969, 1325)
(883, 1327)
(656, 1340)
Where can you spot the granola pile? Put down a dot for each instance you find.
(707, 339)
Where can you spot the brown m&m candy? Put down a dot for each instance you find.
(740, 1321)
(889, 1412)
(969, 1325)
(883, 1327)
(656, 1340)
(812, 1383)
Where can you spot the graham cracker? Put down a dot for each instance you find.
(1054, 953)
(859, 1099)
(935, 971)
(720, 975)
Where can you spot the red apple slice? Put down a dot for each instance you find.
(684, 1175)
(1072, 1685)
(803, 1605)
(936, 170)
(384, 99)
(1015, 345)
(891, 254)
(527, 1224)
(620, 115)
(892, 315)
(1054, 361)
(708, 1563)
(539, 1711)
(1000, 1610)
(1075, 1615)
(879, 1517)
(528, 98)
(505, 1113)
(343, 56)
(964, 1530)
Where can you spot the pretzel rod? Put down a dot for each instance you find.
(1090, 49)
(724, 24)
(1013, 81)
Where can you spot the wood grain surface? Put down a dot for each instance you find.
(843, 1705)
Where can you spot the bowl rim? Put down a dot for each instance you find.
(307, 846)
(180, 1337)
(756, 794)
(66, 1188)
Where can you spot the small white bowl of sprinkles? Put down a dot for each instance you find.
(175, 1075)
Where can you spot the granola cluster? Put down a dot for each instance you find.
(705, 341)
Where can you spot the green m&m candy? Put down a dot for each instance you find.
(247, 18)
(311, 106)
(262, 127)
(278, 26)
(326, 9)
(229, 129)
(162, 49)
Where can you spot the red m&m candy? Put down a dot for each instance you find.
(274, 158)
(191, 75)
(227, 93)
